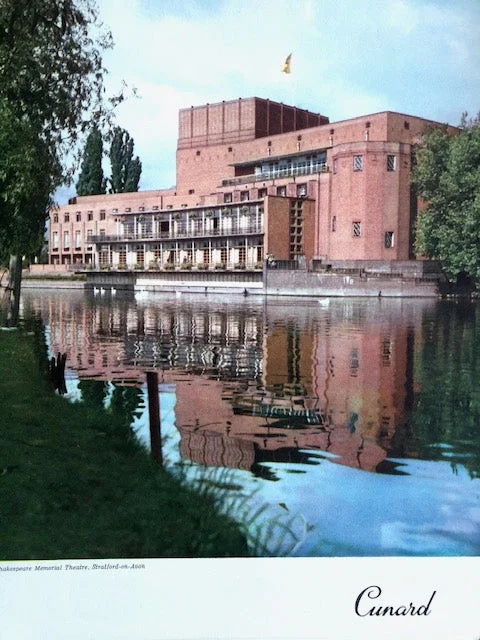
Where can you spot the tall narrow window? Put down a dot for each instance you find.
(389, 239)
(282, 191)
(356, 229)
(66, 240)
(391, 163)
(334, 223)
(358, 163)
(78, 239)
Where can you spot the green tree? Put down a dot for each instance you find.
(126, 169)
(447, 174)
(51, 88)
(91, 181)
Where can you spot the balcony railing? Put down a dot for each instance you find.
(319, 167)
(180, 235)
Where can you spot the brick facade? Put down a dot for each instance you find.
(255, 177)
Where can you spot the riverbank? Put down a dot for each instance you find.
(76, 483)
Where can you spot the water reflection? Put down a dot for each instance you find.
(280, 390)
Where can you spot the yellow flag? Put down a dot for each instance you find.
(286, 64)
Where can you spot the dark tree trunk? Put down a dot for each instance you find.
(14, 284)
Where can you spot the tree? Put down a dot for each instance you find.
(91, 181)
(51, 87)
(126, 169)
(447, 174)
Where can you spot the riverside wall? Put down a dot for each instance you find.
(270, 282)
(307, 283)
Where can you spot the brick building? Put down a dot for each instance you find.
(257, 178)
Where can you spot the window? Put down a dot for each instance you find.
(335, 165)
(102, 233)
(78, 216)
(386, 352)
(227, 197)
(55, 241)
(66, 218)
(301, 190)
(102, 214)
(90, 215)
(122, 255)
(282, 191)
(262, 192)
(78, 239)
(198, 153)
(334, 223)
(230, 149)
(391, 163)
(356, 229)
(89, 238)
(244, 195)
(55, 217)
(358, 163)
(155, 207)
(191, 191)
(389, 239)
(354, 362)
(66, 240)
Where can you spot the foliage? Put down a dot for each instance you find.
(51, 87)
(447, 174)
(91, 181)
(24, 184)
(126, 169)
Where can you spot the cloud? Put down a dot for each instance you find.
(412, 56)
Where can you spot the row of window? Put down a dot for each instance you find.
(391, 163)
(78, 216)
(389, 238)
(301, 192)
(77, 237)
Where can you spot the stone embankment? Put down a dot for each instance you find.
(368, 279)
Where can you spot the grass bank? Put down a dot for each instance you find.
(75, 483)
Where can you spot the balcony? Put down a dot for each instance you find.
(320, 167)
(234, 230)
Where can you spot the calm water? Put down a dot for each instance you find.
(337, 427)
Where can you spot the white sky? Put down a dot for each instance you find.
(350, 58)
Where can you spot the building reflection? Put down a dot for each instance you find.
(267, 382)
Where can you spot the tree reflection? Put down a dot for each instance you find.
(94, 392)
(447, 406)
(125, 402)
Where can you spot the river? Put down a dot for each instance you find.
(329, 427)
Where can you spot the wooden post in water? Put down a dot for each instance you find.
(154, 415)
